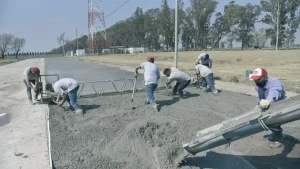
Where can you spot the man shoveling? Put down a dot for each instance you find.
(207, 78)
(182, 80)
(151, 76)
(66, 88)
(31, 80)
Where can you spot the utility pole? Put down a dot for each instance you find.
(277, 31)
(76, 42)
(176, 34)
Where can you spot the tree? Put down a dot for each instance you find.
(201, 12)
(271, 8)
(293, 21)
(61, 40)
(5, 43)
(247, 17)
(260, 38)
(165, 24)
(17, 45)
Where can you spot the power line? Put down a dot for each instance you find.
(117, 9)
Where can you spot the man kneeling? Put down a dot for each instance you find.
(182, 80)
(66, 88)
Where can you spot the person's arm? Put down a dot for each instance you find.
(158, 73)
(210, 64)
(137, 69)
(29, 84)
(274, 92)
(64, 98)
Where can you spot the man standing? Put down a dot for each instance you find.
(151, 76)
(66, 88)
(208, 78)
(31, 80)
(269, 90)
(204, 59)
(182, 80)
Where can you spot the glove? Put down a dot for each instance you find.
(135, 74)
(264, 104)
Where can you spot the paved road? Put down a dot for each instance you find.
(85, 71)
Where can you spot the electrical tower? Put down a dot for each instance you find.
(96, 25)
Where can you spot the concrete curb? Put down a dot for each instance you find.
(49, 136)
(3, 119)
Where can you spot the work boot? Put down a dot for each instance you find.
(215, 92)
(275, 141)
(204, 89)
(154, 105)
(146, 102)
(79, 112)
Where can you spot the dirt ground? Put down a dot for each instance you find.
(110, 135)
(228, 66)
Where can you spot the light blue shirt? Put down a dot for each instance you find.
(151, 73)
(273, 90)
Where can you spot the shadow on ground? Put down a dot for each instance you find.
(227, 161)
(174, 99)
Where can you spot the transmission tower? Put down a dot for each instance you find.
(96, 23)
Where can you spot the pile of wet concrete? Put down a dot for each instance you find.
(112, 135)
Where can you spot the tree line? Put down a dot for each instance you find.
(9, 42)
(200, 26)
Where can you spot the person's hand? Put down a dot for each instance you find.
(264, 104)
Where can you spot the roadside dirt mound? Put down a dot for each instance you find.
(111, 135)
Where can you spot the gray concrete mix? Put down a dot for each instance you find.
(111, 135)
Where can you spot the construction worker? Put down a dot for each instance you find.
(207, 76)
(269, 90)
(182, 80)
(66, 88)
(204, 59)
(31, 80)
(151, 77)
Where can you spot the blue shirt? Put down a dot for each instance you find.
(273, 90)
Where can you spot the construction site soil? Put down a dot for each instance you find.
(111, 135)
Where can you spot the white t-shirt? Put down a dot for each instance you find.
(204, 71)
(151, 73)
(64, 85)
(29, 74)
(202, 60)
(177, 75)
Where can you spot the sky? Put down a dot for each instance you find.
(40, 22)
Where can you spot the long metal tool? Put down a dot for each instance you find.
(245, 125)
(134, 84)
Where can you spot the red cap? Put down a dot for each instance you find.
(35, 71)
(258, 73)
(150, 58)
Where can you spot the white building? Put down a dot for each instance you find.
(80, 52)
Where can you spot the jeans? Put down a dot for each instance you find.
(209, 80)
(179, 86)
(72, 98)
(150, 92)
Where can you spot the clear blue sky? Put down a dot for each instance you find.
(40, 22)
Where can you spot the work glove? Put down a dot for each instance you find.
(135, 74)
(264, 104)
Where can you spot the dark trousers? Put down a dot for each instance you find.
(29, 89)
(179, 86)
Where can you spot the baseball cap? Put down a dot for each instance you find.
(150, 58)
(35, 71)
(258, 73)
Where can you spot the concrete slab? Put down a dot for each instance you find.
(3, 119)
(23, 142)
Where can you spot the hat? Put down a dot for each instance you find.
(150, 58)
(35, 71)
(258, 73)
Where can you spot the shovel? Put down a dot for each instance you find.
(133, 93)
